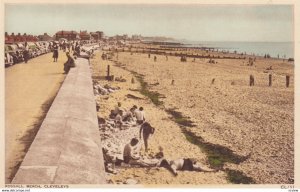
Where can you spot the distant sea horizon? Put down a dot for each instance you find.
(274, 49)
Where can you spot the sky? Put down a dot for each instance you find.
(258, 23)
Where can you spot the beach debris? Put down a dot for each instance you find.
(132, 80)
(101, 120)
(133, 97)
(232, 83)
(120, 79)
(154, 84)
(97, 105)
(131, 182)
(213, 81)
(130, 89)
(173, 81)
(155, 58)
(270, 80)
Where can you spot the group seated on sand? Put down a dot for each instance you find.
(131, 151)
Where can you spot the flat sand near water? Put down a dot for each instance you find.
(256, 122)
(29, 89)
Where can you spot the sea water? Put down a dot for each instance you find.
(274, 49)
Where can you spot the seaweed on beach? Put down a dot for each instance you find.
(144, 89)
(217, 155)
(180, 119)
(238, 177)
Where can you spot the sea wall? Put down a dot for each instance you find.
(67, 148)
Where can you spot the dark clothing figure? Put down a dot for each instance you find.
(55, 53)
(77, 50)
(187, 165)
(147, 129)
(26, 55)
(70, 63)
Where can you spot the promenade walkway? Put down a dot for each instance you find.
(29, 89)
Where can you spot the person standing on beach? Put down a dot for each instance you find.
(147, 130)
(55, 52)
(140, 116)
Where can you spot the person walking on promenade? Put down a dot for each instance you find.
(26, 53)
(55, 52)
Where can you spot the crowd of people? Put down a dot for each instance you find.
(131, 151)
(66, 47)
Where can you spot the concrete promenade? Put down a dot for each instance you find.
(29, 90)
(67, 148)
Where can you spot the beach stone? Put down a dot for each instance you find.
(131, 182)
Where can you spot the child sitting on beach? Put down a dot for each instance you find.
(115, 112)
(119, 119)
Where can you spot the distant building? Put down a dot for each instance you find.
(101, 34)
(98, 35)
(136, 37)
(44, 37)
(95, 36)
(84, 35)
(19, 38)
(9, 38)
(69, 35)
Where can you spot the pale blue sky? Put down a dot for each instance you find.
(191, 22)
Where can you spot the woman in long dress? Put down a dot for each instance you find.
(55, 53)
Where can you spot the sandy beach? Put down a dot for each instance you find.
(246, 132)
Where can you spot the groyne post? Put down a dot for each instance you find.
(251, 80)
(108, 71)
(270, 80)
(287, 80)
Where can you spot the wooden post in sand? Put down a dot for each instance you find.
(287, 80)
(270, 80)
(251, 80)
(108, 71)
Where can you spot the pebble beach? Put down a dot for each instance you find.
(205, 111)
